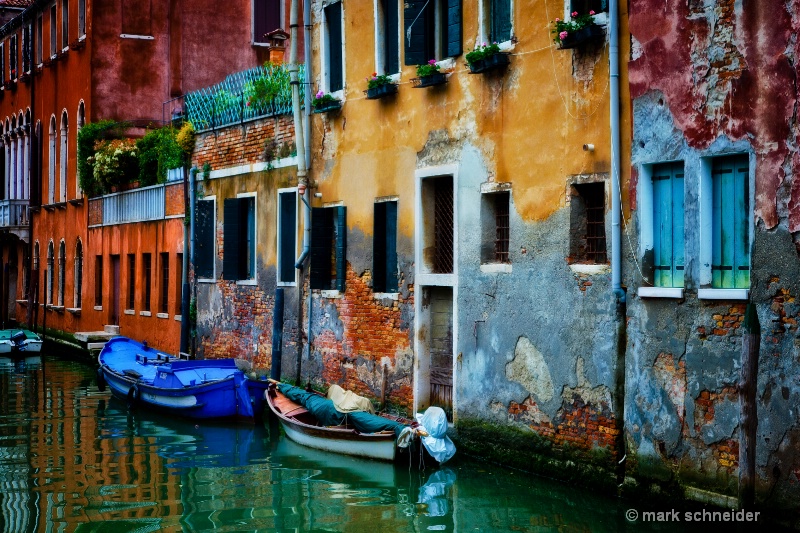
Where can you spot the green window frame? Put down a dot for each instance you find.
(730, 219)
(668, 225)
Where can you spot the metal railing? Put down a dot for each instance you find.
(137, 205)
(232, 101)
(14, 213)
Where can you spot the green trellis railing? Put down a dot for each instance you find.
(239, 97)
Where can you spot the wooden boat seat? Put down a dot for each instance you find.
(288, 407)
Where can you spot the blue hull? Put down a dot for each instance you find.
(195, 389)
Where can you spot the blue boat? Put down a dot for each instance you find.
(204, 389)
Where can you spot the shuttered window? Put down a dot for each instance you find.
(333, 48)
(432, 30)
(668, 258)
(328, 247)
(730, 232)
(205, 238)
(287, 236)
(584, 6)
(389, 32)
(238, 261)
(500, 27)
(266, 18)
(384, 248)
(147, 266)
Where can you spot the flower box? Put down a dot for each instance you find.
(380, 91)
(327, 107)
(492, 62)
(587, 34)
(437, 78)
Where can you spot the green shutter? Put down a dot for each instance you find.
(391, 30)
(730, 257)
(333, 16)
(501, 21)
(230, 239)
(416, 28)
(204, 239)
(391, 247)
(287, 236)
(340, 234)
(453, 33)
(321, 247)
(379, 248)
(668, 225)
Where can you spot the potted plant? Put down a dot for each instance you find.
(428, 75)
(379, 86)
(485, 58)
(324, 102)
(576, 31)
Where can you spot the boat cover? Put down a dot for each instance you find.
(438, 444)
(347, 401)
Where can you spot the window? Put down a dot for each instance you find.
(328, 247)
(287, 235)
(495, 227)
(2, 63)
(98, 281)
(730, 223)
(49, 275)
(266, 18)
(239, 238)
(62, 169)
(53, 32)
(496, 20)
(131, 281)
(432, 30)
(164, 307)
(81, 18)
(667, 209)
(26, 48)
(148, 279)
(333, 75)
(39, 38)
(384, 247)
(78, 288)
(600, 7)
(438, 230)
(13, 54)
(179, 284)
(387, 37)
(62, 266)
(205, 238)
(64, 23)
(81, 121)
(51, 193)
(587, 223)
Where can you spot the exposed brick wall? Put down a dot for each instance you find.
(244, 144)
(95, 212)
(173, 194)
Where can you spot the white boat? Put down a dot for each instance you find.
(19, 342)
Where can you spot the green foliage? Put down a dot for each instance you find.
(427, 69)
(322, 99)
(185, 139)
(206, 170)
(562, 28)
(114, 163)
(158, 152)
(378, 80)
(262, 91)
(88, 136)
(482, 52)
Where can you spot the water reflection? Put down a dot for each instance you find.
(75, 459)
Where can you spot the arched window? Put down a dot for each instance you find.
(35, 272)
(51, 193)
(63, 156)
(19, 183)
(26, 168)
(12, 162)
(81, 121)
(49, 275)
(62, 266)
(6, 159)
(78, 273)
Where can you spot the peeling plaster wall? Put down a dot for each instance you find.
(709, 79)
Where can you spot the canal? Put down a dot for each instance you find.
(74, 459)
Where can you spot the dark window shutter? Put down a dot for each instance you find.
(333, 15)
(453, 33)
(204, 239)
(390, 35)
(340, 234)
(501, 20)
(415, 31)
(288, 236)
(266, 18)
(391, 247)
(321, 247)
(230, 240)
(379, 248)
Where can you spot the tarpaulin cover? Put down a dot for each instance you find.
(318, 406)
(369, 423)
(438, 444)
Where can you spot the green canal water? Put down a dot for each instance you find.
(74, 459)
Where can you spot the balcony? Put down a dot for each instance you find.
(157, 202)
(14, 217)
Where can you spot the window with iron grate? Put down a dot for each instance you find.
(587, 223)
(98, 281)
(148, 279)
(164, 308)
(131, 281)
(495, 227)
(443, 226)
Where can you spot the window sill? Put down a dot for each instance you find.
(386, 295)
(246, 282)
(591, 269)
(56, 308)
(660, 292)
(74, 311)
(129, 311)
(23, 302)
(132, 36)
(206, 280)
(162, 315)
(145, 313)
(496, 268)
(327, 293)
(287, 284)
(98, 307)
(723, 294)
(178, 318)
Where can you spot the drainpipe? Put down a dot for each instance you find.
(185, 271)
(307, 86)
(192, 244)
(613, 58)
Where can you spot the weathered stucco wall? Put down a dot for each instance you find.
(535, 346)
(709, 79)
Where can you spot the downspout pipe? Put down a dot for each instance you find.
(192, 248)
(185, 270)
(307, 85)
(616, 240)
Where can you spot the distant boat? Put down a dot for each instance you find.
(19, 342)
(213, 388)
